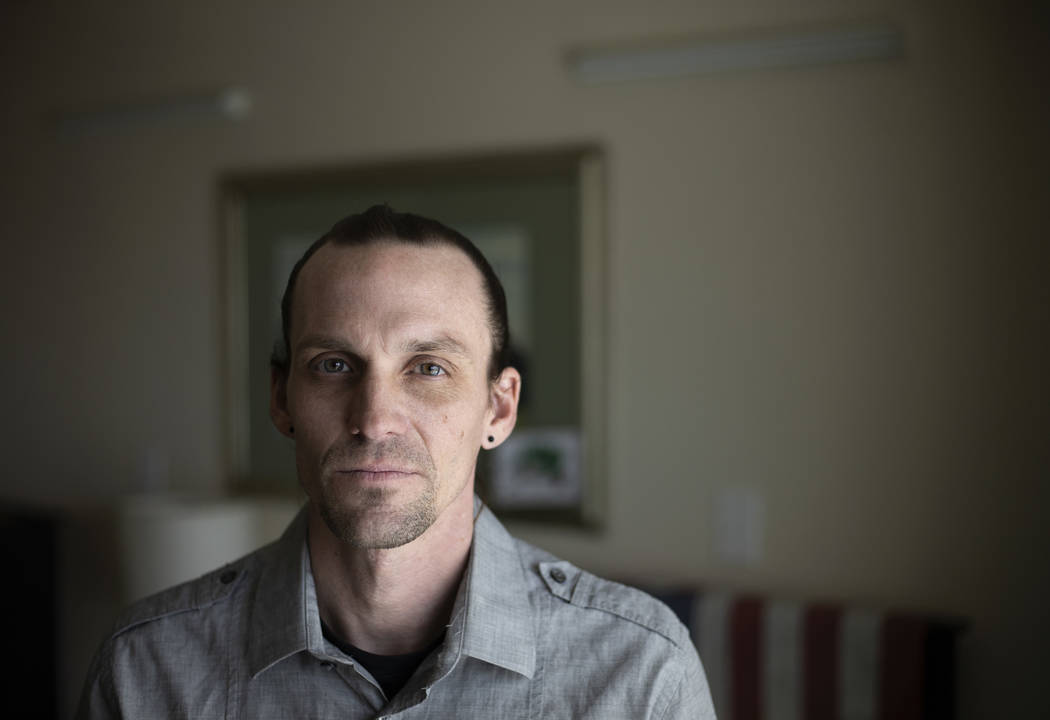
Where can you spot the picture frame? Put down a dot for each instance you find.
(537, 215)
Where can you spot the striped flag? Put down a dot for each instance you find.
(775, 660)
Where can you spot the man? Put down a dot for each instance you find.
(396, 592)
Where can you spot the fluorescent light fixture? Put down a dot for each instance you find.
(232, 103)
(711, 55)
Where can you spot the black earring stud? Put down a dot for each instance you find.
(492, 439)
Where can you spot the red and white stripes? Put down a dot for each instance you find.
(771, 660)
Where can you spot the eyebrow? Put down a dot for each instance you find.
(439, 344)
(323, 342)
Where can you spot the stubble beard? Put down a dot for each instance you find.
(367, 517)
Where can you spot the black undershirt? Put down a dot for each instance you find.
(390, 671)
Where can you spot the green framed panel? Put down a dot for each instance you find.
(538, 217)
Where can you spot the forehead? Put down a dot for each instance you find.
(396, 283)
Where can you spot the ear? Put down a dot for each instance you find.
(504, 393)
(279, 414)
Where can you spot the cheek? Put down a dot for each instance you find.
(450, 422)
(446, 402)
(306, 399)
(458, 433)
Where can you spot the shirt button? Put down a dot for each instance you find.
(227, 577)
(557, 575)
(327, 664)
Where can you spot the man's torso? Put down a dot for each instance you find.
(531, 637)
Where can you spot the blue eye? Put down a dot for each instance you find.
(430, 369)
(334, 365)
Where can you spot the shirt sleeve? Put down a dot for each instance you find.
(691, 700)
(98, 701)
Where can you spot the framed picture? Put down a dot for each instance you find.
(537, 215)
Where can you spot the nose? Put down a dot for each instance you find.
(374, 410)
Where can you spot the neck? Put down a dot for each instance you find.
(397, 600)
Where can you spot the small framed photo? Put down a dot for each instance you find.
(538, 469)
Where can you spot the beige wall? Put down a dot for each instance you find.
(826, 284)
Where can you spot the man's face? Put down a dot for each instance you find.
(387, 386)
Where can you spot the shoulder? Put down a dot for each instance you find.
(618, 638)
(210, 592)
(584, 593)
(164, 635)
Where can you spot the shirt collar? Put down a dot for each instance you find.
(498, 625)
(492, 619)
(280, 625)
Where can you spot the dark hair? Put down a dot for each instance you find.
(379, 223)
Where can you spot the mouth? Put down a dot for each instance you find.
(376, 474)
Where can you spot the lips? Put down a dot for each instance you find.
(378, 468)
(364, 461)
(376, 473)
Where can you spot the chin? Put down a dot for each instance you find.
(372, 524)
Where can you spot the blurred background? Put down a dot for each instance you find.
(826, 297)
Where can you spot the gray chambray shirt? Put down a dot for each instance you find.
(530, 637)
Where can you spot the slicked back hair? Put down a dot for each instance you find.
(381, 223)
